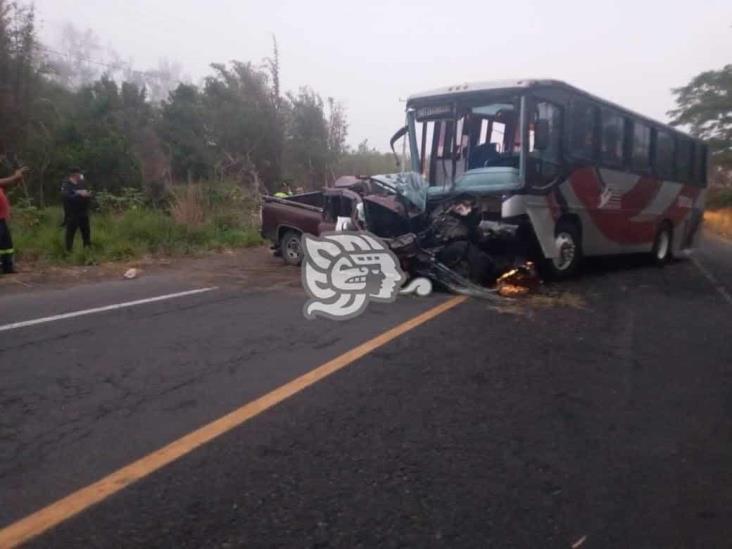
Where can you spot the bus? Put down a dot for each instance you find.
(586, 176)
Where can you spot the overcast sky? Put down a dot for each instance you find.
(372, 53)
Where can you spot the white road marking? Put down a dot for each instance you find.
(73, 314)
(713, 279)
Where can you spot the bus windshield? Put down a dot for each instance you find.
(469, 144)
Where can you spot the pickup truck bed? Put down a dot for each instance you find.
(285, 219)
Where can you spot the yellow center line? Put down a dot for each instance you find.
(63, 509)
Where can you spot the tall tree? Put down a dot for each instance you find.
(243, 123)
(705, 106)
(183, 127)
(307, 139)
(337, 132)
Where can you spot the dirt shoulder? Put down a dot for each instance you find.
(719, 222)
(254, 268)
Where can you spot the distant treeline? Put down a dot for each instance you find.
(145, 130)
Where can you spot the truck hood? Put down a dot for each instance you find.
(410, 185)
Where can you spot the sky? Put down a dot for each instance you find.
(372, 54)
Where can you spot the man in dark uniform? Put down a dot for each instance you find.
(6, 241)
(76, 197)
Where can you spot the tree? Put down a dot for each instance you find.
(184, 130)
(273, 65)
(705, 106)
(131, 128)
(365, 160)
(307, 139)
(243, 123)
(337, 131)
(75, 63)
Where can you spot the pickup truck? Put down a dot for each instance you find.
(392, 206)
(284, 220)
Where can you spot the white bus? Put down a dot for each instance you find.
(588, 177)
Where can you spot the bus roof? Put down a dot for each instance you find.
(468, 88)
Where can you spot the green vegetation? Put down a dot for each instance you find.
(144, 138)
(197, 218)
(147, 130)
(703, 107)
(719, 198)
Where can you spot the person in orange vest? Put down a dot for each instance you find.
(6, 241)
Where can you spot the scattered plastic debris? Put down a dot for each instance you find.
(131, 273)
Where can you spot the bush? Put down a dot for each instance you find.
(187, 205)
(137, 230)
(719, 197)
(128, 199)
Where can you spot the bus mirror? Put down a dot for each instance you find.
(541, 135)
(401, 132)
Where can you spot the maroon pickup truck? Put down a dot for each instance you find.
(350, 201)
(285, 219)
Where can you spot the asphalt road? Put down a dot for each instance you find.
(598, 415)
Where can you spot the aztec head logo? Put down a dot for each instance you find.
(343, 271)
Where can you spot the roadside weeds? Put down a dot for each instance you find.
(719, 221)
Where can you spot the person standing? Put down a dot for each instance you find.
(6, 241)
(76, 197)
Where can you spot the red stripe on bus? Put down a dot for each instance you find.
(617, 224)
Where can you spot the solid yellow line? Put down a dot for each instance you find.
(33, 525)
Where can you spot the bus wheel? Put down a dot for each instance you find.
(291, 248)
(569, 252)
(662, 245)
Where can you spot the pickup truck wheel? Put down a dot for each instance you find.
(291, 248)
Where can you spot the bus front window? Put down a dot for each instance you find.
(459, 141)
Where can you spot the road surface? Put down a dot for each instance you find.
(599, 416)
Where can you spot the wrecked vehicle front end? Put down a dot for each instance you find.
(455, 240)
(458, 212)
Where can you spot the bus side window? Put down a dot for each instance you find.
(700, 165)
(546, 156)
(611, 138)
(640, 157)
(582, 130)
(663, 158)
(683, 159)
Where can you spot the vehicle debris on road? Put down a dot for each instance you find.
(129, 274)
(455, 241)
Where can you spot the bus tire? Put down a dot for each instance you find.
(291, 248)
(661, 253)
(568, 240)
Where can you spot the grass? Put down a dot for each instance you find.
(719, 221)
(128, 235)
(718, 217)
(719, 198)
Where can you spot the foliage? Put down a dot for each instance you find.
(26, 214)
(187, 205)
(130, 234)
(183, 128)
(365, 161)
(147, 130)
(242, 123)
(705, 106)
(129, 198)
(719, 197)
(307, 139)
